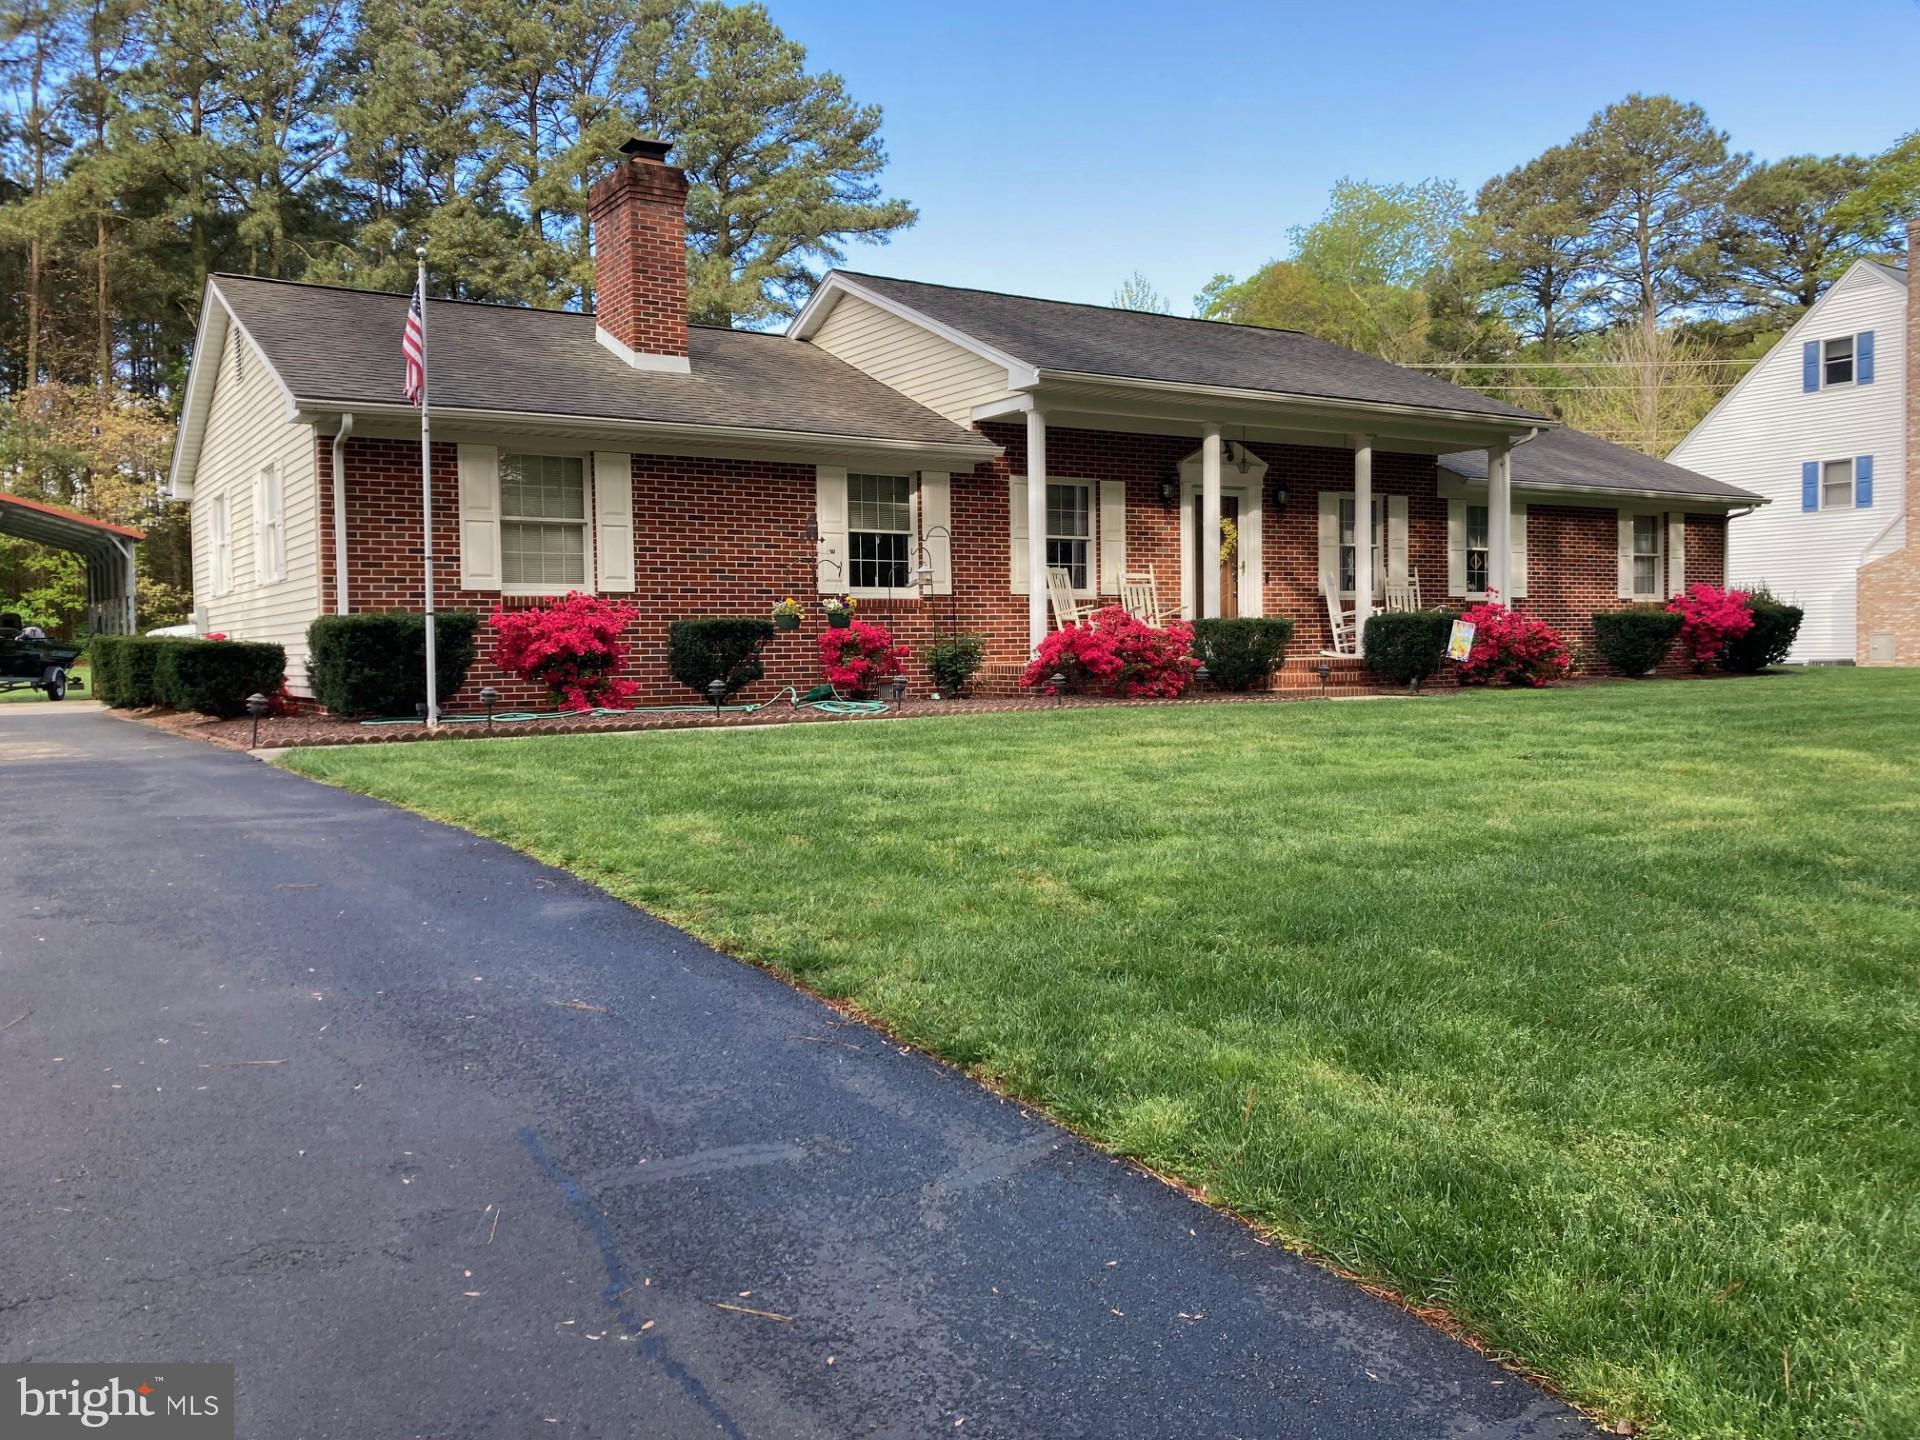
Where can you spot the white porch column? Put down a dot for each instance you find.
(1500, 521)
(1208, 549)
(1036, 528)
(1363, 576)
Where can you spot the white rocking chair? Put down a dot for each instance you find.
(1405, 596)
(1339, 620)
(1066, 609)
(1140, 598)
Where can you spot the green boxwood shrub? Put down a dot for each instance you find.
(376, 663)
(1636, 639)
(954, 661)
(126, 668)
(723, 646)
(1775, 626)
(215, 677)
(1241, 653)
(1404, 647)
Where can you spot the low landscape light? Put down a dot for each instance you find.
(1201, 675)
(899, 688)
(489, 697)
(1325, 667)
(257, 705)
(717, 692)
(1058, 683)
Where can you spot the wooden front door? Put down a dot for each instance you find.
(1206, 553)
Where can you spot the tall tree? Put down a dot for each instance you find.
(1536, 226)
(1785, 236)
(1659, 174)
(1889, 194)
(1137, 292)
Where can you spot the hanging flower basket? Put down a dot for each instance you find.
(786, 615)
(839, 611)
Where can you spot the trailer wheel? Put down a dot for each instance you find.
(55, 683)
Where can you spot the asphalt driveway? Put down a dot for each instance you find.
(431, 1140)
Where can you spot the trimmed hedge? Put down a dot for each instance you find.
(213, 677)
(717, 647)
(1636, 639)
(376, 663)
(954, 661)
(1775, 627)
(1242, 652)
(1404, 647)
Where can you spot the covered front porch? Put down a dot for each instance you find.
(1246, 503)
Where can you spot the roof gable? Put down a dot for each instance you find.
(1574, 460)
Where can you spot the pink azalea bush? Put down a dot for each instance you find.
(1511, 647)
(1711, 617)
(572, 647)
(1115, 653)
(856, 659)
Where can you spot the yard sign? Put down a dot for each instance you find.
(1460, 643)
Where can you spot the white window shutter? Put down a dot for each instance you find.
(613, 518)
(936, 526)
(1329, 538)
(261, 561)
(1113, 535)
(1626, 555)
(1519, 552)
(479, 517)
(830, 514)
(1456, 546)
(1676, 553)
(1396, 540)
(1017, 534)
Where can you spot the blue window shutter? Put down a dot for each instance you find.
(1863, 358)
(1810, 365)
(1862, 481)
(1810, 485)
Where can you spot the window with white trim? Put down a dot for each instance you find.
(269, 526)
(879, 531)
(220, 523)
(1349, 558)
(543, 522)
(1647, 539)
(1836, 485)
(1836, 361)
(1479, 549)
(1070, 531)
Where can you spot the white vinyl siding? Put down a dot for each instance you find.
(944, 377)
(1769, 427)
(272, 586)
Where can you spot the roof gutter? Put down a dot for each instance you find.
(339, 448)
(756, 437)
(1535, 423)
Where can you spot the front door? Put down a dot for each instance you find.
(1224, 552)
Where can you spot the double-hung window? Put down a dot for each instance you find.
(543, 522)
(1349, 555)
(1479, 549)
(1070, 531)
(269, 526)
(879, 531)
(1646, 555)
(1836, 485)
(1836, 361)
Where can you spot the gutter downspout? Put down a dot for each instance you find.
(340, 439)
(1898, 517)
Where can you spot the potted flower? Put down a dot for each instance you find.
(786, 615)
(839, 610)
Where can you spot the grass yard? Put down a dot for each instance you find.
(1591, 1015)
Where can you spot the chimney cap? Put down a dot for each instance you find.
(642, 147)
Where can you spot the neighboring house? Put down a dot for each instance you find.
(1823, 427)
(930, 450)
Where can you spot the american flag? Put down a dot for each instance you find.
(413, 344)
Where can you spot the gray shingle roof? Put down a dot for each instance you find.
(1096, 340)
(343, 347)
(1573, 458)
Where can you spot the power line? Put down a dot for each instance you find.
(1570, 364)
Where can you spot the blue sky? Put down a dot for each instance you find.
(1052, 148)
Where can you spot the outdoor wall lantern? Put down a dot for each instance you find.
(489, 697)
(899, 689)
(716, 692)
(257, 705)
(1279, 494)
(1170, 491)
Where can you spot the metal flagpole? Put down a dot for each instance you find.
(426, 496)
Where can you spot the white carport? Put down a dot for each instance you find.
(107, 549)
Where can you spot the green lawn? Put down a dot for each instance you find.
(74, 692)
(1592, 1016)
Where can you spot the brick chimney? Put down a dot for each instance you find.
(639, 215)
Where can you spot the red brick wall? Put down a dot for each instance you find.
(717, 537)
(640, 256)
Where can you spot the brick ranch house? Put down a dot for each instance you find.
(929, 450)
